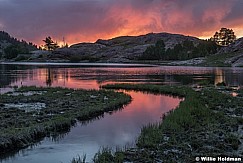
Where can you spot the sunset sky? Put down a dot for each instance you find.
(89, 20)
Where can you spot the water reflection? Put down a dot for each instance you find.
(116, 130)
(92, 78)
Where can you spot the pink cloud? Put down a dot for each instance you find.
(87, 21)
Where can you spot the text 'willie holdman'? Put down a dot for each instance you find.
(229, 159)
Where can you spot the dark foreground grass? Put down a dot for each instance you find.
(206, 123)
(63, 107)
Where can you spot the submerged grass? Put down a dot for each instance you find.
(63, 107)
(206, 123)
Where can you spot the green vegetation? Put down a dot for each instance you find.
(50, 44)
(11, 47)
(156, 52)
(224, 37)
(12, 51)
(240, 92)
(79, 159)
(206, 123)
(182, 51)
(21, 58)
(55, 110)
(79, 58)
(218, 60)
(107, 155)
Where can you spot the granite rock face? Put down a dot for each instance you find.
(120, 49)
(235, 48)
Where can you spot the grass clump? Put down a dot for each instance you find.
(20, 128)
(203, 124)
(79, 159)
(106, 155)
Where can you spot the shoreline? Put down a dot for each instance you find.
(202, 125)
(95, 64)
(63, 107)
(107, 64)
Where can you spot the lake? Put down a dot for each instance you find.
(116, 129)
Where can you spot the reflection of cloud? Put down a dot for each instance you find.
(119, 129)
(124, 126)
(148, 102)
(82, 20)
(88, 78)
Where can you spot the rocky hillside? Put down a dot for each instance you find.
(235, 53)
(236, 46)
(119, 49)
(11, 47)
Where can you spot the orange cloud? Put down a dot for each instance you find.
(87, 21)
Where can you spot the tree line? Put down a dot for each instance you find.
(181, 51)
(11, 46)
(187, 49)
(51, 45)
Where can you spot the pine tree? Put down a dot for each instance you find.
(224, 37)
(50, 44)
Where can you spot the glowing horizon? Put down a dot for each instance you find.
(239, 34)
(87, 21)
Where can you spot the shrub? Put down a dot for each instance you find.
(12, 51)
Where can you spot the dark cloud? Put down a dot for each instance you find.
(88, 20)
(235, 14)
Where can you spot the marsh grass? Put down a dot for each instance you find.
(79, 159)
(203, 124)
(240, 92)
(106, 155)
(63, 107)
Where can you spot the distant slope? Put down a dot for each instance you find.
(10, 47)
(119, 49)
(231, 55)
(236, 46)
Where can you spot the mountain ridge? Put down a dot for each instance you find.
(122, 48)
(236, 49)
(129, 49)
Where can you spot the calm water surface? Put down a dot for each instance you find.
(113, 130)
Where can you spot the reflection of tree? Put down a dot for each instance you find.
(233, 77)
(219, 76)
(56, 74)
(60, 76)
(49, 77)
(6, 78)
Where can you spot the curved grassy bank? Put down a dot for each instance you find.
(60, 110)
(206, 123)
